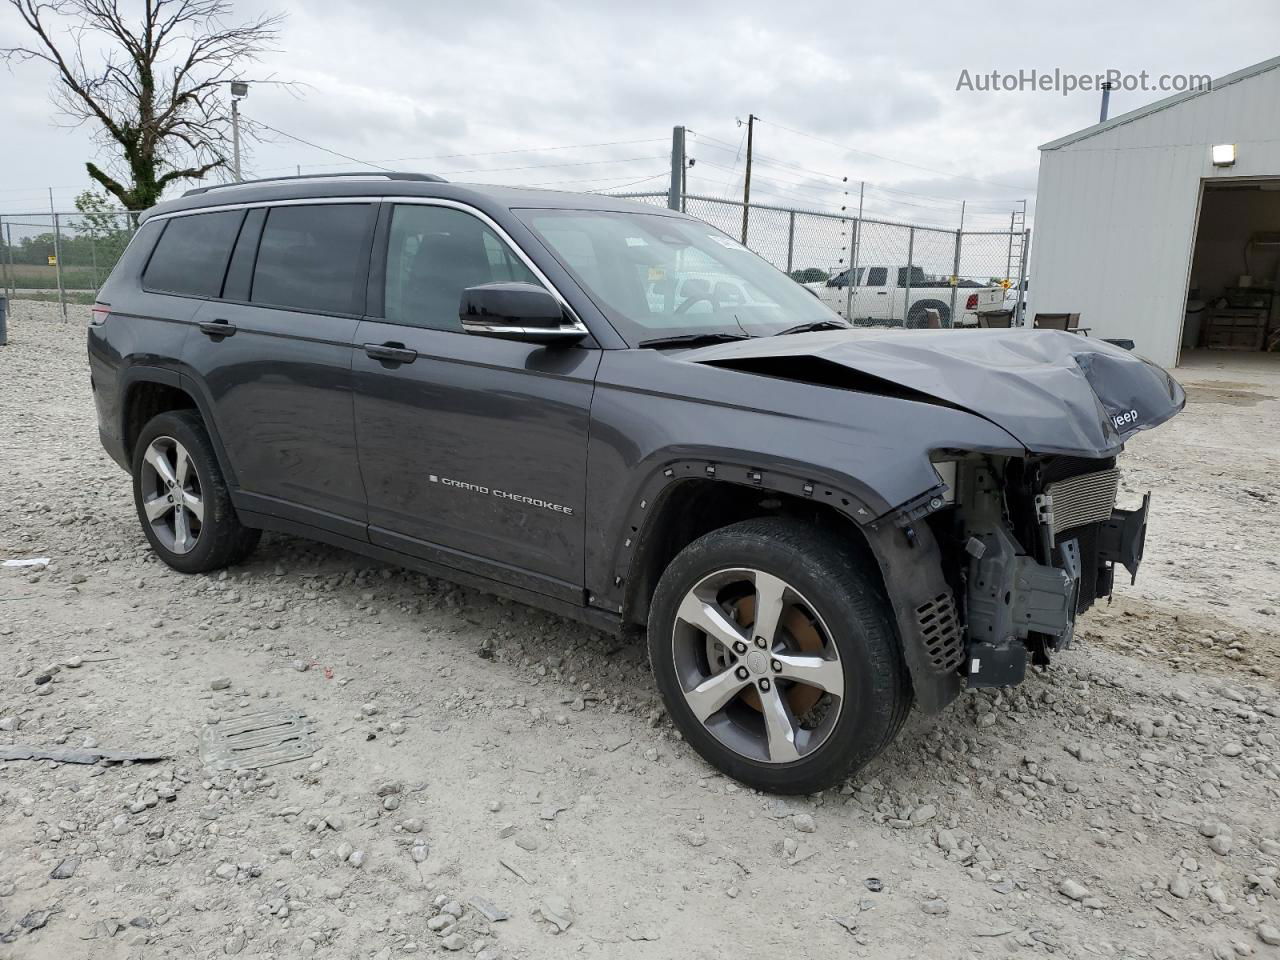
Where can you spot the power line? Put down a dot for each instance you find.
(491, 153)
(717, 144)
(548, 166)
(367, 163)
(905, 163)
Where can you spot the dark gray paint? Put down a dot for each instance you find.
(319, 439)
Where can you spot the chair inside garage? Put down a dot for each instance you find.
(1070, 322)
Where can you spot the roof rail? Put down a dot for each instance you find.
(363, 174)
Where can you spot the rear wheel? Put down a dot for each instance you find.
(917, 319)
(182, 499)
(773, 647)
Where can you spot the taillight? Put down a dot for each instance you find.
(100, 313)
(972, 302)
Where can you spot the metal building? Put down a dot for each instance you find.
(1166, 214)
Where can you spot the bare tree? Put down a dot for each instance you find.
(152, 85)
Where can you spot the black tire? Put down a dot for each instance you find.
(916, 319)
(222, 539)
(843, 587)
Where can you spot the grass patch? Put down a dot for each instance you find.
(32, 276)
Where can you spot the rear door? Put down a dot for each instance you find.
(273, 355)
(873, 297)
(473, 449)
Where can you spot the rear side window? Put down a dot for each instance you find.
(877, 276)
(314, 258)
(191, 257)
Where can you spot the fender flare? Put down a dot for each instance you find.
(140, 373)
(910, 560)
(637, 525)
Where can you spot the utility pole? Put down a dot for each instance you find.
(675, 190)
(239, 90)
(746, 183)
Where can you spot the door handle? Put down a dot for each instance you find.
(882, 293)
(218, 328)
(391, 352)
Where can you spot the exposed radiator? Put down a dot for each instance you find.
(1086, 498)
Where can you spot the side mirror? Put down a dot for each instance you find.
(517, 311)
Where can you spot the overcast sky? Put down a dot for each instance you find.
(864, 91)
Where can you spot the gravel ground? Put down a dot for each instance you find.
(496, 781)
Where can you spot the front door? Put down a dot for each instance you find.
(473, 450)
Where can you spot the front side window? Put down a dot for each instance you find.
(433, 254)
(313, 258)
(192, 254)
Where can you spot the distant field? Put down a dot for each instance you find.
(42, 277)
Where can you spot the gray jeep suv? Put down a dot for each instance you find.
(620, 414)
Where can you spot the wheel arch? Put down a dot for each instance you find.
(695, 497)
(147, 391)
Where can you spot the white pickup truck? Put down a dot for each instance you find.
(893, 296)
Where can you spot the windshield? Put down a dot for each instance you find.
(656, 276)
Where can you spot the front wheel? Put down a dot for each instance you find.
(774, 649)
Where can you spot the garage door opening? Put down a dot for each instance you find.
(1233, 298)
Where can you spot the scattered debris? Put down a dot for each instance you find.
(557, 912)
(256, 740)
(82, 755)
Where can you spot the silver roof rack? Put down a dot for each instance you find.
(357, 175)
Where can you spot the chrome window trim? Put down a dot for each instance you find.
(577, 326)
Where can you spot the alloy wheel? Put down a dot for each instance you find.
(171, 496)
(757, 666)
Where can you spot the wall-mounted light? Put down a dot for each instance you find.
(1224, 154)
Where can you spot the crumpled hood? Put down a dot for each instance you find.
(1054, 392)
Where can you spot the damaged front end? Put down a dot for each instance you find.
(1034, 542)
(992, 573)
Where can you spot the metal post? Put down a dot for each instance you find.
(4, 261)
(57, 256)
(906, 296)
(1008, 260)
(1022, 273)
(791, 238)
(93, 250)
(674, 193)
(853, 258)
(746, 183)
(13, 274)
(235, 138)
(955, 270)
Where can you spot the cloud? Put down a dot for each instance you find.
(389, 79)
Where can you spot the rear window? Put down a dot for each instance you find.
(192, 254)
(314, 258)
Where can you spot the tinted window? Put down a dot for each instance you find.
(191, 257)
(433, 254)
(313, 258)
(877, 276)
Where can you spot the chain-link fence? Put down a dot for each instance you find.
(63, 257)
(900, 271)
